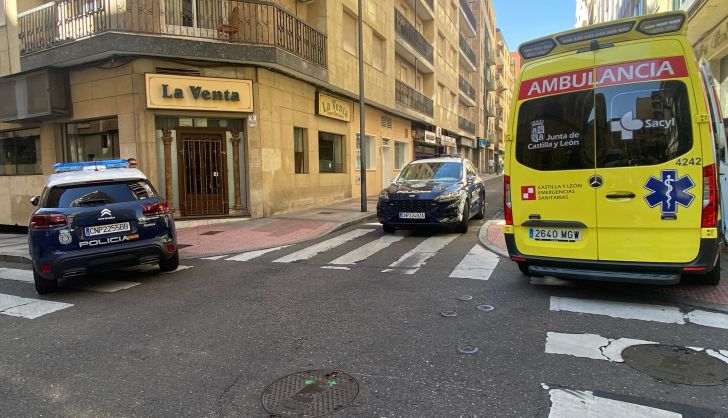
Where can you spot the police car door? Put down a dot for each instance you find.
(648, 154)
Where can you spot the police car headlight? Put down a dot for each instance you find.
(449, 196)
(384, 195)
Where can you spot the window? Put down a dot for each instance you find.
(2, 12)
(331, 153)
(403, 74)
(431, 171)
(442, 96)
(401, 156)
(350, 33)
(96, 139)
(98, 194)
(20, 152)
(543, 122)
(300, 151)
(378, 52)
(370, 158)
(441, 45)
(642, 124)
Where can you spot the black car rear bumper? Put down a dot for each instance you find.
(618, 271)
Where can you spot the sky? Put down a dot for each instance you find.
(523, 20)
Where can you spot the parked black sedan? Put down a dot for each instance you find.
(436, 191)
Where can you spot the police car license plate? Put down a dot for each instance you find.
(412, 215)
(91, 231)
(555, 234)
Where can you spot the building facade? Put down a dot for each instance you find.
(239, 107)
(505, 79)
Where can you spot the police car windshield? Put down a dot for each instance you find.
(431, 171)
(80, 195)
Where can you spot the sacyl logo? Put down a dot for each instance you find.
(628, 123)
(105, 213)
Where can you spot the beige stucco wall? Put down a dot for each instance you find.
(9, 45)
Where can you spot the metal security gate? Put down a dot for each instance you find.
(203, 173)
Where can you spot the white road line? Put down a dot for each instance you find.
(478, 264)
(214, 257)
(28, 308)
(249, 255)
(335, 267)
(366, 251)
(16, 274)
(579, 404)
(411, 261)
(103, 286)
(639, 311)
(316, 249)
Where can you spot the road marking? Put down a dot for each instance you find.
(28, 308)
(366, 251)
(179, 268)
(411, 261)
(478, 264)
(316, 249)
(639, 311)
(578, 404)
(103, 286)
(249, 255)
(214, 257)
(335, 267)
(16, 274)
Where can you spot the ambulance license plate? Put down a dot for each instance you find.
(412, 215)
(555, 234)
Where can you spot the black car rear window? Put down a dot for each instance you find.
(98, 194)
(557, 132)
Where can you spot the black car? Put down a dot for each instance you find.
(437, 191)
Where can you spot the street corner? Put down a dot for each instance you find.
(491, 236)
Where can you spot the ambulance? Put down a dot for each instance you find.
(613, 156)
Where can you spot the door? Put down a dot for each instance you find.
(552, 165)
(648, 155)
(386, 166)
(202, 172)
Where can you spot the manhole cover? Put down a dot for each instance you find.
(467, 349)
(448, 314)
(677, 364)
(313, 393)
(486, 308)
(465, 298)
(211, 233)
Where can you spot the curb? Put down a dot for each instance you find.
(483, 238)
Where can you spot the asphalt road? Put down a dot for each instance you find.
(208, 340)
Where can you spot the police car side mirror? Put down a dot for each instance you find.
(35, 200)
(471, 179)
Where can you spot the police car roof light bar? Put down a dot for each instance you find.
(89, 166)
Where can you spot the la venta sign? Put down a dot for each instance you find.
(334, 107)
(199, 93)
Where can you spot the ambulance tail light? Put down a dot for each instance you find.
(663, 24)
(710, 197)
(507, 209)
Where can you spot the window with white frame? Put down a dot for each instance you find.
(401, 154)
(370, 158)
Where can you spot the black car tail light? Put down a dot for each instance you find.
(49, 220)
(157, 208)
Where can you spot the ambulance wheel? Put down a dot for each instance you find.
(170, 264)
(481, 209)
(462, 226)
(712, 277)
(43, 286)
(388, 228)
(523, 266)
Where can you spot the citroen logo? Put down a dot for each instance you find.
(105, 213)
(596, 181)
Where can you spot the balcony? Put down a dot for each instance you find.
(468, 22)
(408, 97)
(466, 125)
(411, 45)
(467, 92)
(68, 32)
(488, 108)
(425, 9)
(467, 56)
(490, 84)
(490, 57)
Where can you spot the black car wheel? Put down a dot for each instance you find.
(388, 228)
(481, 209)
(170, 264)
(462, 226)
(43, 286)
(524, 268)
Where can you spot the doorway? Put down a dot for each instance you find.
(202, 172)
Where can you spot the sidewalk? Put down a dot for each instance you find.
(491, 235)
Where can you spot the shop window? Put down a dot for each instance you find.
(20, 152)
(401, 156)
(300, 150)
(350, 33)
(331, 152)
(370, 158)
(91, 140)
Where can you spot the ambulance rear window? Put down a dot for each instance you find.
(556, 132)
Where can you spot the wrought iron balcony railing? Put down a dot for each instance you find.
(413, 37)
(467, 50)
(466, 125)
(412, 98)
(469, 14)
(237, 21)
(466, 88)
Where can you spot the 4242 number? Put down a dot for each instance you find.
(689, 161)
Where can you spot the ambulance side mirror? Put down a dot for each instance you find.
(35, 200)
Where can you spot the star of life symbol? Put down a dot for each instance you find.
(669, 191)
(627, 124)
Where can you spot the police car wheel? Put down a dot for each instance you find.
(481, 209)
(170, 264)
(388, 228)
(43, 286)
(462, 226)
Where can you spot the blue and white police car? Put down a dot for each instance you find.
(95, 216)
(444, 191)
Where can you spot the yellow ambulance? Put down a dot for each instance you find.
(612, 156)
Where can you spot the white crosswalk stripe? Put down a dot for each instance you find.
(580, 404)
(411, 261)
(367, 250)
(249, 255)
(28, 308)
(321, 247)
(16, 274)
(478, 264)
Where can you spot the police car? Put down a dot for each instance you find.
(95, 216)
(437, 191)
